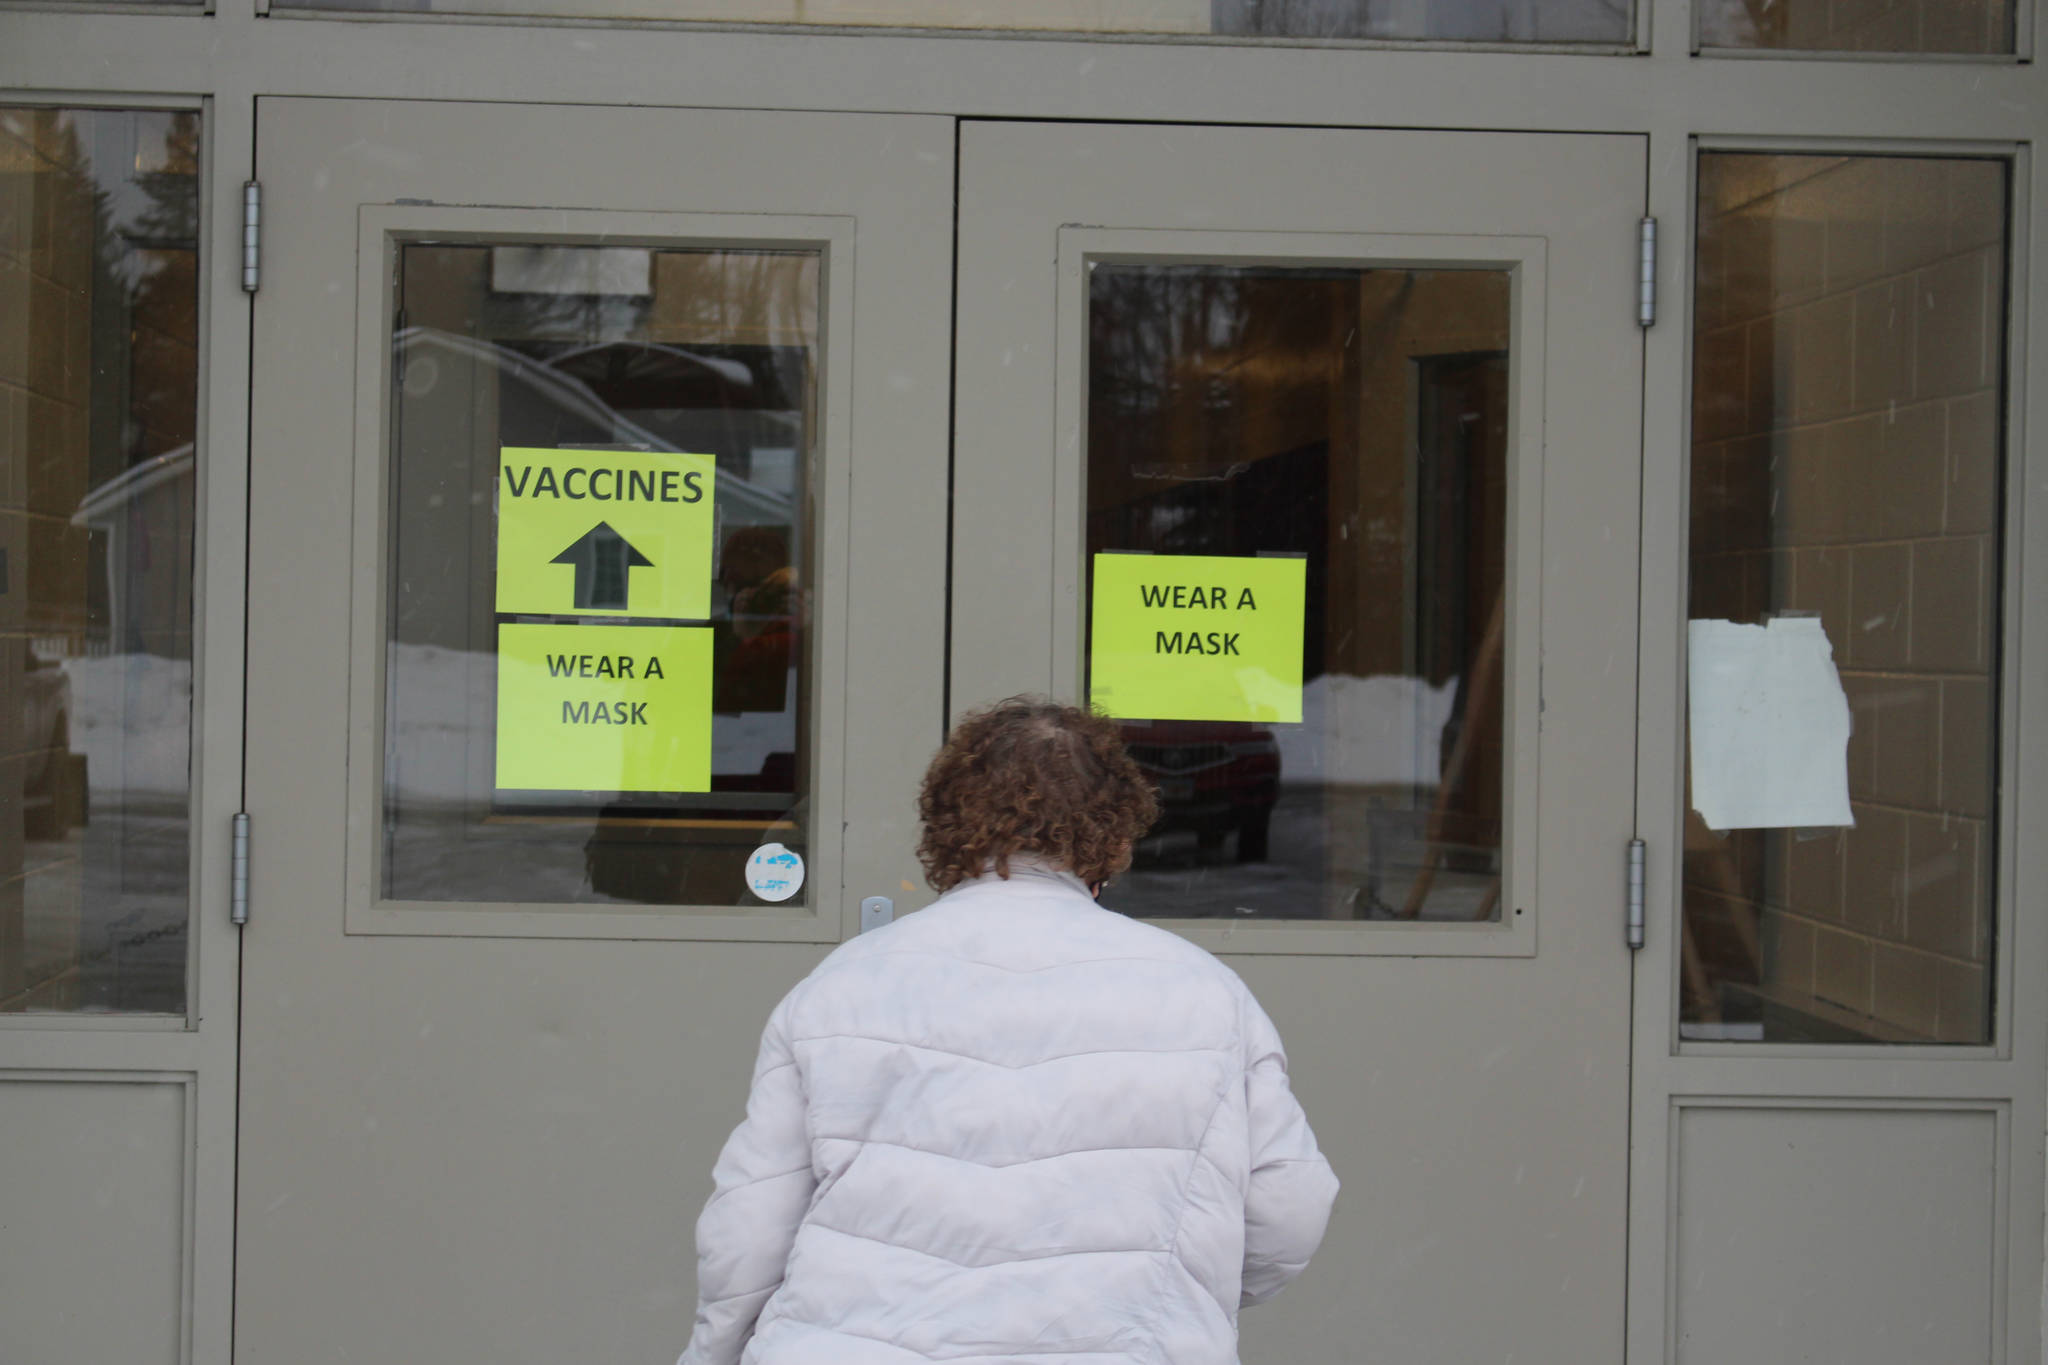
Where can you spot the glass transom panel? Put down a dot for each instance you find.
(1601, 22)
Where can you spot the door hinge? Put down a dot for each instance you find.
(876, 911)
(238, 883)
(252, 235)
(1646, 295)
(1634, 930)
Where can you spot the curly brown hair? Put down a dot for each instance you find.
(1028, 775)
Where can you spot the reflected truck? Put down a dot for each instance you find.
(1213, 778)
(53, 790)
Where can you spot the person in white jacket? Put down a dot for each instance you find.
(1014, 1126)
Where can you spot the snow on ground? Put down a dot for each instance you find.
(131, 716)
(1342, 839)
(445, 705)
(1366, 732)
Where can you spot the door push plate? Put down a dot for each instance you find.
(875, 912)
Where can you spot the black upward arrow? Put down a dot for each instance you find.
(602, 557)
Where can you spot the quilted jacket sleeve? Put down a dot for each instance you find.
(762, 1186)
(1287, 1205)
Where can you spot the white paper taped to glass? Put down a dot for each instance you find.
(1770, 726)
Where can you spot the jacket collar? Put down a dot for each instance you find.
(1030, 868)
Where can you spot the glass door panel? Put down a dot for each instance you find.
(1355, 420)
(561, 412)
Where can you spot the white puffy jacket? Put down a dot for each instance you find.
(1014, 1126)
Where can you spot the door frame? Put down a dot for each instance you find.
(2007, 1080)
(197, 1054)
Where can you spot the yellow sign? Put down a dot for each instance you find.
(604, 708)
(605, 533)
(1198, 637)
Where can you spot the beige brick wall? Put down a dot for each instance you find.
(1845, 464)
(46, 259)
(45, 312)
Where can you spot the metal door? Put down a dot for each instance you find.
(502, 995)
(1408, 363)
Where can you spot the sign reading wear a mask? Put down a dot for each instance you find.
(604, 708)
(605, 533)
(1198, 637)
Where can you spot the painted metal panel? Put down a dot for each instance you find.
(1867, 1234)
(94, 1189)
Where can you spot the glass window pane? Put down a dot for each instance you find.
(1473, 21)
(1978, 27)
(1352, 422)
(99, 357)
(1848, 382)
(1606, 22)
(599, 620)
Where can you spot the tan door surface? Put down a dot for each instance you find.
(1408, 366)
(508, 963)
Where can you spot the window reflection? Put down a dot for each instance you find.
(592, 351)
(98, 399)
(1355, 418)
(1476, 21)
(1979, 27)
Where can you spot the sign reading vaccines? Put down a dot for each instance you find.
(1198, 637)
(605, 533)
(601, 707)
(604, 708)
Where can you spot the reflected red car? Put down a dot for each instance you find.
(1213, 777)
